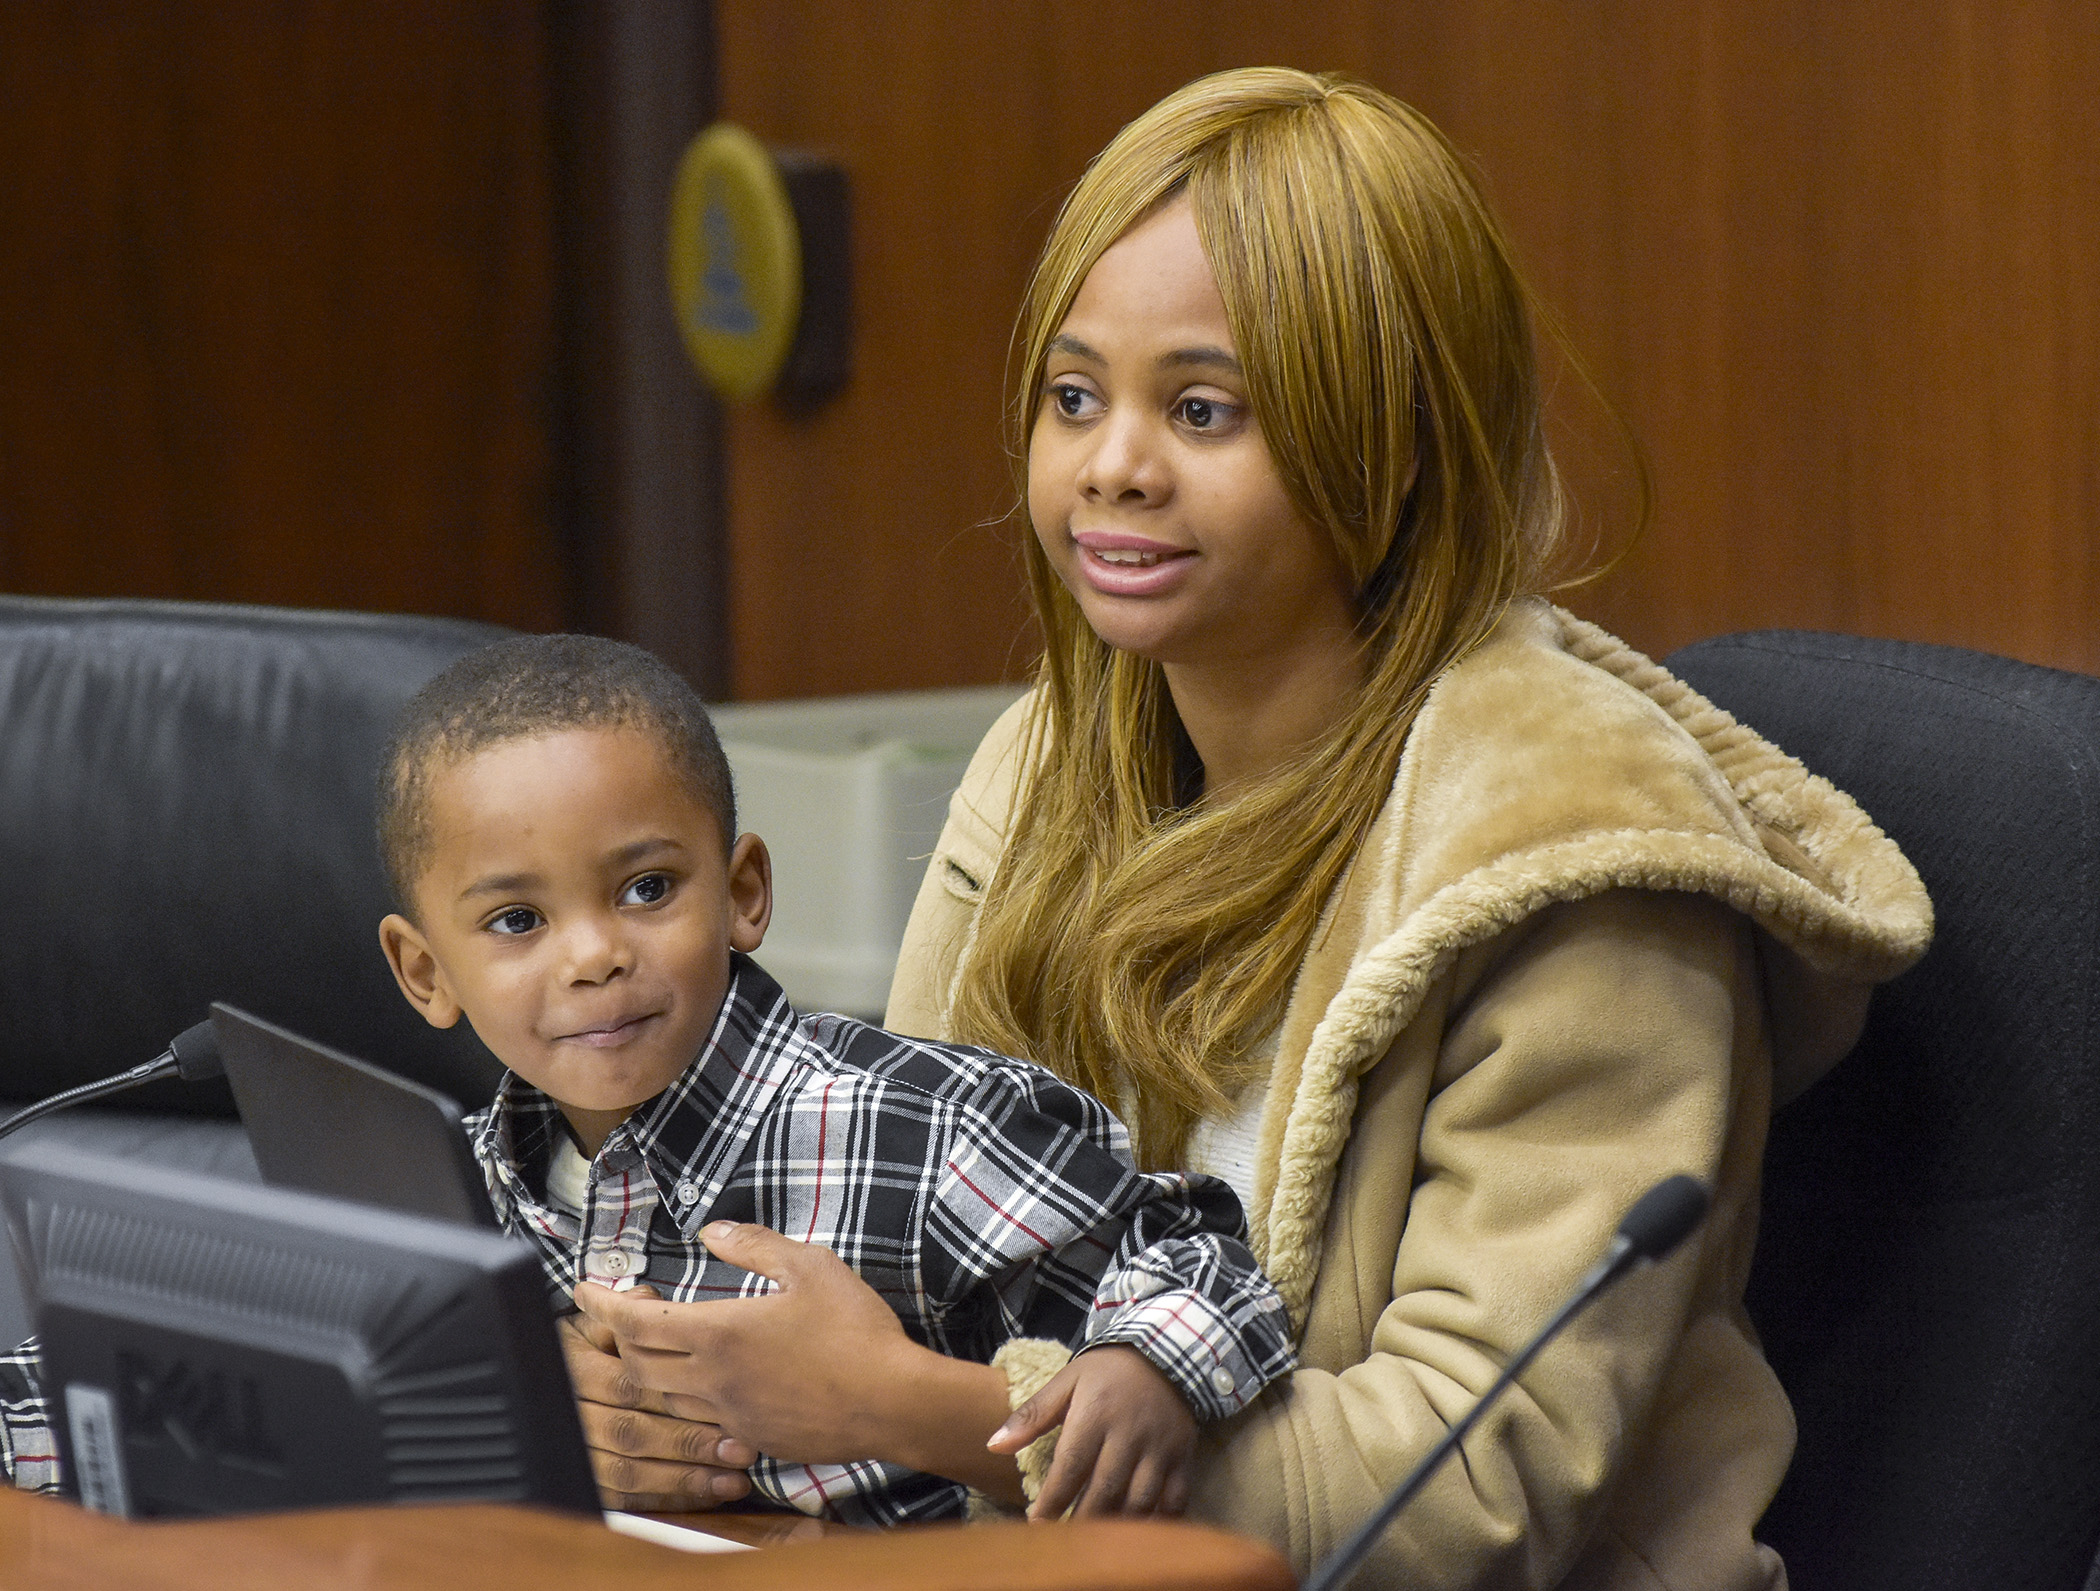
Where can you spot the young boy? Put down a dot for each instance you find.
(556, 815)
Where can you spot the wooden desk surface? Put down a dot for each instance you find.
(45, 1543)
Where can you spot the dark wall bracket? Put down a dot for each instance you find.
(820, 359)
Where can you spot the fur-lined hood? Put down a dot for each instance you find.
(1603, 772)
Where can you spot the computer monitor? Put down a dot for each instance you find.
(326, 1122)
(221, 1347)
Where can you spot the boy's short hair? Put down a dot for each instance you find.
(538, 685)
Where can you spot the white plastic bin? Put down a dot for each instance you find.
(849, 793)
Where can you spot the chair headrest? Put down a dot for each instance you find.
(186, 816)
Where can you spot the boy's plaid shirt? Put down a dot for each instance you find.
(981, 1197)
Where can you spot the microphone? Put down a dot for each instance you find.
(192, 1055)
(1660, 1219)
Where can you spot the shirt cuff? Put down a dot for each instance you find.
(1191, 1342)
(33, 1461)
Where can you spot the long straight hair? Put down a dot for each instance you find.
(1142, 946)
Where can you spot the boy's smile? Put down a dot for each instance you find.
(576, 907)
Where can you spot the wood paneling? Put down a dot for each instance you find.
(639, 460)
(281, 307)
(1835, 262)
(860, 551)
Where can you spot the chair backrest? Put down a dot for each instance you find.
(186, 816)
(1927, 1281)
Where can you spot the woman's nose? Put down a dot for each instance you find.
(1123, 465)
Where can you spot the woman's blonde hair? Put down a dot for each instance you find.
(1140, 944)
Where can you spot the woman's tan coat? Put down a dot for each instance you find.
(1595, 922)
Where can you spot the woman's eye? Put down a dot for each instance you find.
(1204, 414)
(514, 920)
(1072, 402)
(646, 890)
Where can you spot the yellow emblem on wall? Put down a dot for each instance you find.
(735, 261)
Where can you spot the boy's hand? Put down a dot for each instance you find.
(1127, 1440)
(645, 1458)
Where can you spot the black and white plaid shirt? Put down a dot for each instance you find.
(981, 1197)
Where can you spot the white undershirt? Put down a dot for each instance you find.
(1225, 1146)
(568, 1177)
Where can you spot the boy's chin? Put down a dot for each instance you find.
(619, 1088)
(609, 1102)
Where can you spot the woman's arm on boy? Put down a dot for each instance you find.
(819, 1372)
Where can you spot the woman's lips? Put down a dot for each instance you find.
(1121, 565)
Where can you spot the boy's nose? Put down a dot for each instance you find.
(596, 951)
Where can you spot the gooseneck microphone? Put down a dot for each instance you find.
(1660, 1219)
(192, 1055)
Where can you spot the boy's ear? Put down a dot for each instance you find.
(750, 893)
(417, 971)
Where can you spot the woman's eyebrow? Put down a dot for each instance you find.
(1208, 356)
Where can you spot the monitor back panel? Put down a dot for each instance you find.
(323, 1122)
(214, 1347)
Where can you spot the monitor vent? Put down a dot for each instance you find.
(148, 1259)
(449, 1434)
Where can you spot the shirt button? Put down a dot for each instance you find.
(616, 1264)
(1221, 1381)
(686, 1192)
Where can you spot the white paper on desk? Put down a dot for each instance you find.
(666, 1535)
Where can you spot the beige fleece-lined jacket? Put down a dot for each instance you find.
(1596, 923)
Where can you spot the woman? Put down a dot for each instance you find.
(1437, 921)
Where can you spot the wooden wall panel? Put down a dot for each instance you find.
(281, 316)
(639, 437)
(859, 554)
(1835, 262)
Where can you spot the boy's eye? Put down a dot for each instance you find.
(646, 890)
(514, 920)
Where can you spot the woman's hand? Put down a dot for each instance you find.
(1127, 1440)
(819, 1372)
(645, 1458)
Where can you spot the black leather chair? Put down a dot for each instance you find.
(186, 816)
(1927, 1282)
